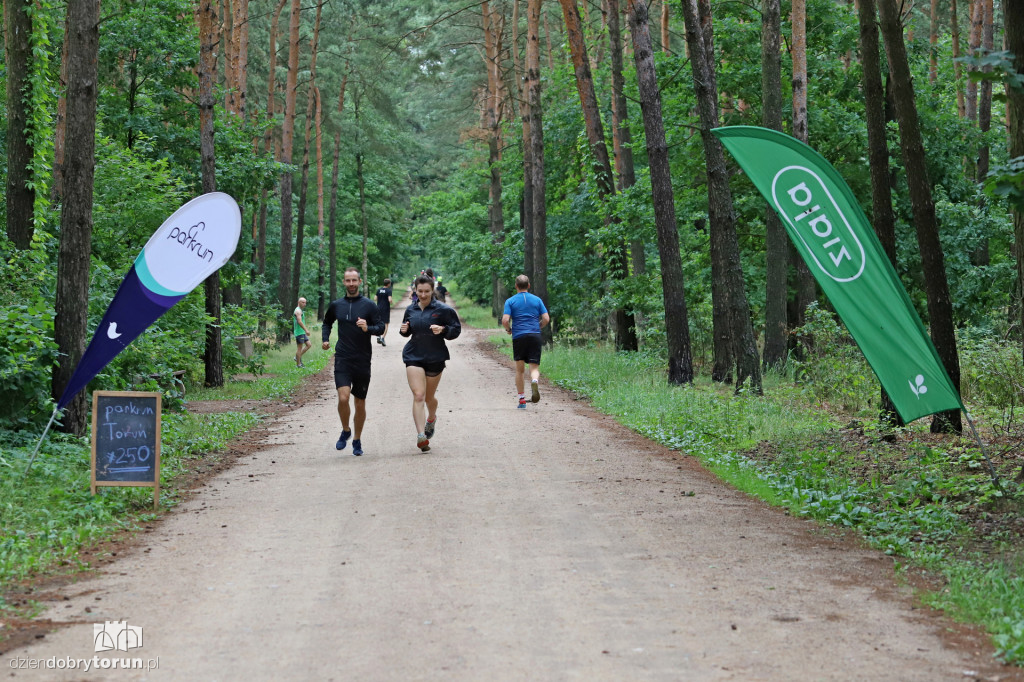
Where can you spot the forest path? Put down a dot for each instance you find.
(540, 544)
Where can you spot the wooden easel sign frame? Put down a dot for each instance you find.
(126, 440)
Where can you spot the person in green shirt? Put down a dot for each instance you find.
(301, 332)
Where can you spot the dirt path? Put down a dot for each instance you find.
(538, 544)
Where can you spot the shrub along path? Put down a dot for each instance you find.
(547, 543)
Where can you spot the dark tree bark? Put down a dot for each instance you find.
(980, 256)
(284, 293)
(622, 141)
(618, 266)
(332, 255)
(961, 105)
(538, 212)
(213, 355)
(724, 244)
(526, 204)
(806, 289)
(307, 145)
(71, 311)
(940, 305)
(878, 157)
(20, 196)
(492, 27)
(1014, 37)
(261, 239)
(677, 327)
(776, 240)
(60, 135)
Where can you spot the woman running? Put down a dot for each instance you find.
(429, 323)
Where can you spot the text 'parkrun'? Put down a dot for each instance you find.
(187, 238)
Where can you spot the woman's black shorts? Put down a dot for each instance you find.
(431, 369)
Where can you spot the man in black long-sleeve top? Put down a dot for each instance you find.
(358, 318)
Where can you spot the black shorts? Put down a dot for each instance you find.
(431, 369)
(385, 314)
(301, 339)
(527, 348)
(348, 374)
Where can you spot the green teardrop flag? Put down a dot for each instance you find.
(834, 237)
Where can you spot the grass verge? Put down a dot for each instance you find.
(924, 498)
(48, 516)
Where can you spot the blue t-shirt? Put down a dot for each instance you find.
(525, 310)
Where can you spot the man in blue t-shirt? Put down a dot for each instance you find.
(523, 318)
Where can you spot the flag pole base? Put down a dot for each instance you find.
(981, 447)
(53, 416)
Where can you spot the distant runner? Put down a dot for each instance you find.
(301, 332)
(357, 318)
(523, 318)
(429, 323)
(384, 302)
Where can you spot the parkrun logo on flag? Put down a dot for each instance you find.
(805, 202)
(187, 238)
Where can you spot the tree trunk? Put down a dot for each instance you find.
(980, 256)
(71, 310)
(724, 244)
(806, 289)
(961, 105)
(973, 43)
(878, 157)
(933, 42)
(539, 209)
(985, 94)
(776, 240)
(60, 126)
(492, 50)
(18, 54)
(622, 141)
(362, 209)
(321, 305)
(625, 326)
(526, 206)
(261, 243)
(677, 327)
(213, 355)
(284, 293)
(666, 35)
(1013, 29)
(940, 306)
(332, 255)
(307, 144)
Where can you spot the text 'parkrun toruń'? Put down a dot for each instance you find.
(187, 238)
(819, 223)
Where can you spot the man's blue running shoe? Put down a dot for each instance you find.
(357, 448)
(343, 441)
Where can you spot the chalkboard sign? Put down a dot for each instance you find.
(126, 440)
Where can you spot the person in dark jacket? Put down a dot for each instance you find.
(429, 323)
(358, 318)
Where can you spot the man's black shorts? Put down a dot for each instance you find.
(349, 374)
(385, 313)
(301, 339)
(527, 348)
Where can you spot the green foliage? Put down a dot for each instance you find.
(47, 516)
(27, 351)
(833, 370)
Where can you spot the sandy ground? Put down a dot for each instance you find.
(539, 544)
